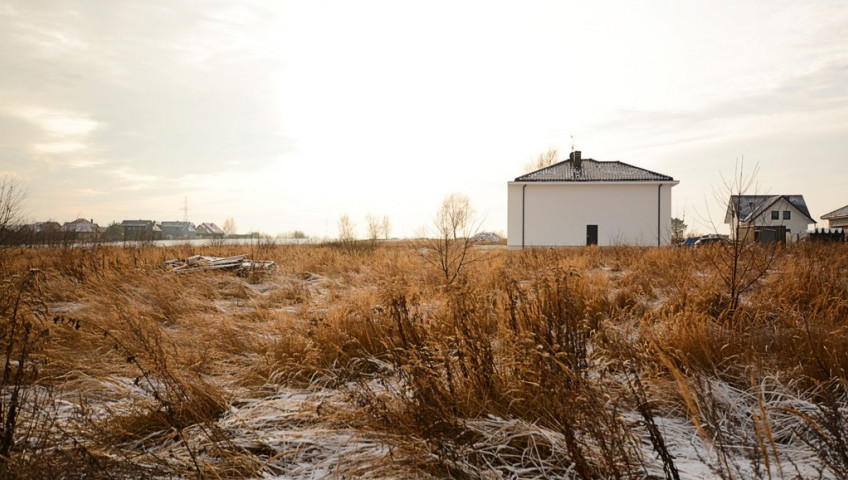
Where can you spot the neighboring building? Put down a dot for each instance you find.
(39, 233)
(140, 230)
(767, 218)
(837, 218)
(177, 230)
(48, 227)
(81, 230)
(209, 230)
(48, 232)
(590, 202)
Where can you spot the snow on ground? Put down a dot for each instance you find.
(299, 434)
(290, 429)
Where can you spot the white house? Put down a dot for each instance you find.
(589, 202)
(767, 217)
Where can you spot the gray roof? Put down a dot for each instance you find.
(80, 225)
(749, 207)
(593, 171)
(137, 223)
(48, 226)
(211, 228)
(839, 212)
(177, 224)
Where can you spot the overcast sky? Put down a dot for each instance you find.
(286, 115)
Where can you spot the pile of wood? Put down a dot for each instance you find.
(240, 263)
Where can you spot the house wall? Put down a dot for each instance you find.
(177, 230)
(796, 224)
(557, 213)
(138, 233)
(837, 222)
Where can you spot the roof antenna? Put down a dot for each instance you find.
(572, 144)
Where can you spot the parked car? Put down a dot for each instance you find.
(710, 239)
(689, 242)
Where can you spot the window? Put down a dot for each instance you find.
(775, 215)
(787, 215)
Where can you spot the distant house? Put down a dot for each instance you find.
(837, 218)
(209, 230)
(39, 233)
(767, 218)
(177, 230)
(589, 202)
(81, 230)
(140, 230)
(46, 232)
(48, 227)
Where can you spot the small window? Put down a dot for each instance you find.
(775, 215)
(787, 215)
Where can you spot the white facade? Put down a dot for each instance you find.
(560, 213)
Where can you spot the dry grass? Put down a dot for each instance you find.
(574, 363)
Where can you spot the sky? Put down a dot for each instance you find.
(286, 115)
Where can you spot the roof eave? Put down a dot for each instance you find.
(671, 182)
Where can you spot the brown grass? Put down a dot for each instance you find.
(566, 355)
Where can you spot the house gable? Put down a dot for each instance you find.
(754, 208)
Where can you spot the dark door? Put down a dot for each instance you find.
(775, 234)
(591, 234)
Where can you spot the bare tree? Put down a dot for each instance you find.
(386, 227)
(450, 247)
(230, 226)
(543, 160)
(12, 197)
(347, 229)
(378, 227)
(741, 262)
(373, 226)
(347, 234)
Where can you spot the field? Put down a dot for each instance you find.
(367, 360)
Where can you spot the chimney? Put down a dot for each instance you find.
(575, 159)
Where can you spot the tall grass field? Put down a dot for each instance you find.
(368, 361)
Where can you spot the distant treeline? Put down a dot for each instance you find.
(25, 237)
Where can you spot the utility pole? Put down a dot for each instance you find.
(185, 209)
